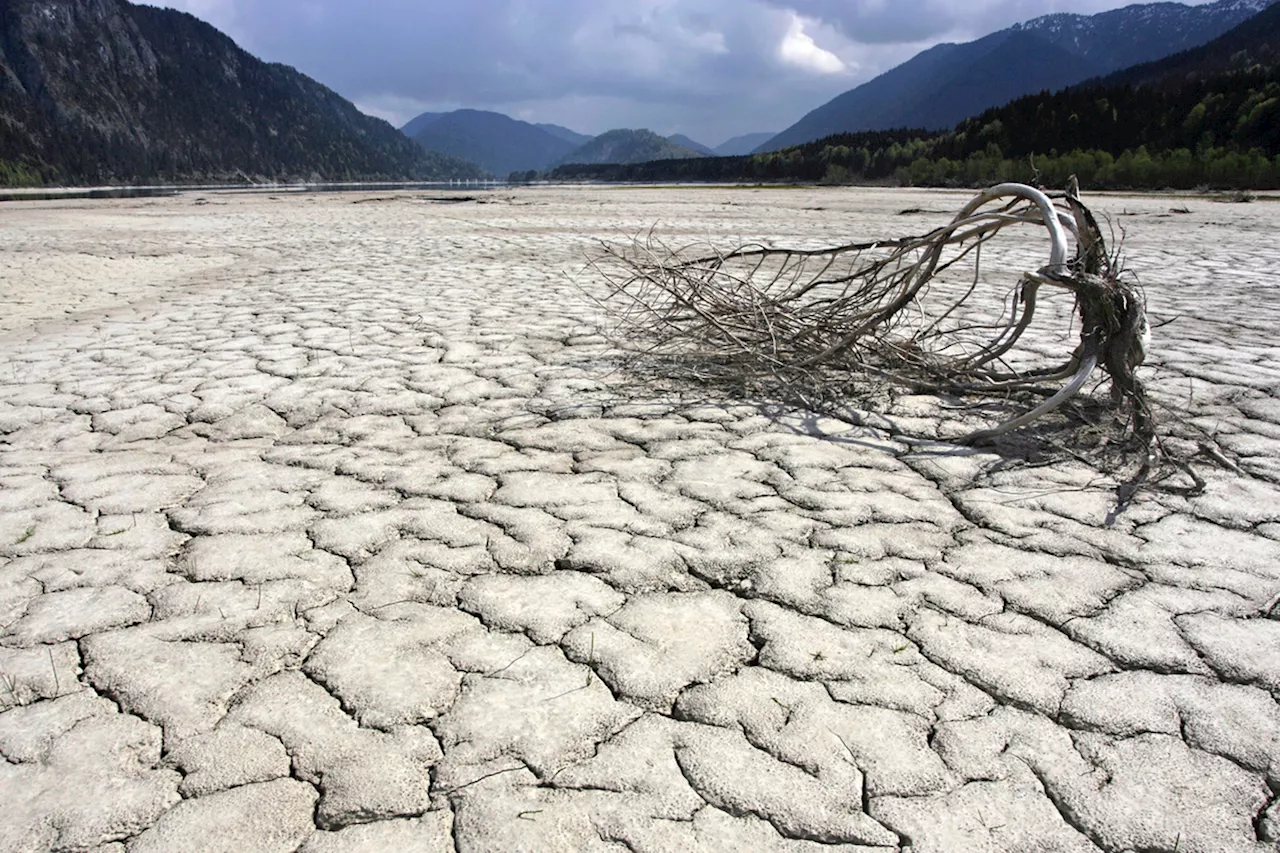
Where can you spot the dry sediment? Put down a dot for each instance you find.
(324, 526)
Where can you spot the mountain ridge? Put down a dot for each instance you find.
(1254, 41)
(1134, 34)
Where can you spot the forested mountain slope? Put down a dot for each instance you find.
(103, 91)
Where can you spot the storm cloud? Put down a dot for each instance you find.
(707, 68)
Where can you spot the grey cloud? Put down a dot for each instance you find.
(709, 68)
(500, 50)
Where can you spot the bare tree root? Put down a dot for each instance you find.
(823, 328)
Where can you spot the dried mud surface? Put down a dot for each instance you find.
(324, 526)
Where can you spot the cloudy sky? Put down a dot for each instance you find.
(710, 69)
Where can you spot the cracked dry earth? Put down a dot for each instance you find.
(324, 527)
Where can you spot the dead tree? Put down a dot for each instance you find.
(814, 326)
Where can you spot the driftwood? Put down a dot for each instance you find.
(817, 326)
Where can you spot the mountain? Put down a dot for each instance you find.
(102, 91)
(571, 136)
(628, 146)
(1042, 67)
(744, 144)
(1141, 33)
(947, 82)
(1223, 96)
(419, 123)
(1256, 42)
(685, 142)
(497, 142)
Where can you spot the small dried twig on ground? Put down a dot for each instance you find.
(825, 327)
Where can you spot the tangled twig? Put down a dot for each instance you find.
(821, 326)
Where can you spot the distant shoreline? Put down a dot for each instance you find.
(474, 185)
(161, 190)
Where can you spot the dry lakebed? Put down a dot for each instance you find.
(328, 525)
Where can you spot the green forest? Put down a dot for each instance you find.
(1222, 132)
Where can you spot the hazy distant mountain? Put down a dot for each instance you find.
(102, 91)
(685, 142)
(628, 146)
(948, 82)
(497, 142)
(419, 123)
(570, 136)
(744, 144)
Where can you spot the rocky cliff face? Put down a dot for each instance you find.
(97, 91)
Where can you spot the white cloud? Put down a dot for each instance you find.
(799, 49)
